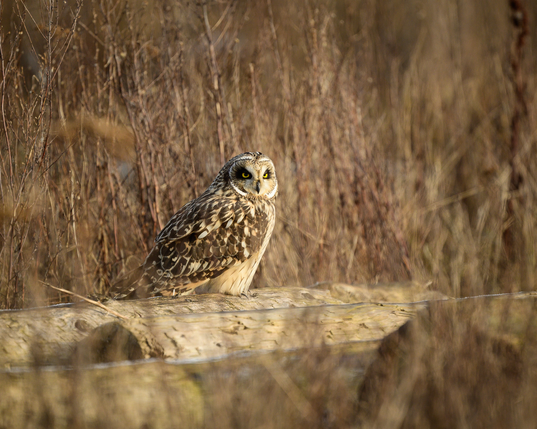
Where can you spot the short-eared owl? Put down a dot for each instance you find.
(214, 242)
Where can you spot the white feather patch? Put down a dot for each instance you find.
(215, 225)
(238, 190)
(273, 192)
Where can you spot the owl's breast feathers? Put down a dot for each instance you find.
(200, 242)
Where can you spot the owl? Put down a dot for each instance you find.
(215, 242)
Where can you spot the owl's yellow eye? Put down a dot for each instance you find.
(266, 175)
(245, 175)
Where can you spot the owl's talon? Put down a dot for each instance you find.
(249, 294)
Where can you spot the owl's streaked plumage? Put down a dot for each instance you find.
(215, 242)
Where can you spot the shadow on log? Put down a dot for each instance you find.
(110, 342)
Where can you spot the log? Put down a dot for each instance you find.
(213, 348)
(194, 327)
(236, 384)
(410, 291)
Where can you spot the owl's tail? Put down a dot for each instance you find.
(128, 286)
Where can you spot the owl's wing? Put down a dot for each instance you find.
(200, 242)
(197, 216)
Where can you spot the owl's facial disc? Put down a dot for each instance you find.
(256, 180)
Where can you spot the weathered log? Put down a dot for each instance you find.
(204, 338)
(193, 327)
(218, 391)
(382, 292)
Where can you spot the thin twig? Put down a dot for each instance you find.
(276, 51)
(218, 96)
(91, 301)
(186, 118)
(520, 110)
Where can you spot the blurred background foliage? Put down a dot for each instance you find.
(403, 134)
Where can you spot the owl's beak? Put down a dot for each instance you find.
(258, 186)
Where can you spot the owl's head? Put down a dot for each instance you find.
(252, 175)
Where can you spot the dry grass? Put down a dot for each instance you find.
(390, 123)
(390, 127)
(468, 365)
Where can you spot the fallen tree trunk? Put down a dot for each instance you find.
(194, 327)
(215, 348)
(292, 354)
